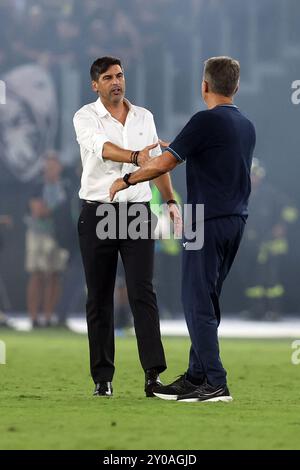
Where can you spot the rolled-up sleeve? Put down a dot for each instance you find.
(88, 135)
(175, 154)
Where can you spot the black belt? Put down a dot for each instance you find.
(98, 203)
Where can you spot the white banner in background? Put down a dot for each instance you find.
(29, 120)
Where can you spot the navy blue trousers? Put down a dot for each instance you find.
(203, 274)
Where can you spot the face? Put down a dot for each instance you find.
(110, 85)
(21, 139)
(28, 125)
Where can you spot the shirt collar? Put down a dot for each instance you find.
(226, 105)
(102, 111)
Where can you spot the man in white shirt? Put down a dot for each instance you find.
(101, 128)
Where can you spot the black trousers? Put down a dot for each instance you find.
(100, 259)
(203, 274)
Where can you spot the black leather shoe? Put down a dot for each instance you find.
(152, 382)
(103, 389)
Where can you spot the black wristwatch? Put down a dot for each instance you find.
(126, 178)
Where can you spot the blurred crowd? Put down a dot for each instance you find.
(50, 32)
(56, 31)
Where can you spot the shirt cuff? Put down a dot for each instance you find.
(156, 152)
(175, 154)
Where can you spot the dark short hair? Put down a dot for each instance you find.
(101, 65)
(222, 74)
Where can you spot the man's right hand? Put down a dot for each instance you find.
(144, 155)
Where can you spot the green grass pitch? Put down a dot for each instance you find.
(46, 398)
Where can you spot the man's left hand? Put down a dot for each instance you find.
(118, 185)
(176, 217)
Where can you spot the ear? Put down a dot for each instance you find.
(237, 88)
(205, 87)
(94, 86)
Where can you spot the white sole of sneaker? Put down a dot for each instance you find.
(215, 399)
(166, 397)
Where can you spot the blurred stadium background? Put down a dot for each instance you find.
(46, 48)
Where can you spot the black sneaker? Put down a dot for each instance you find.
(206, 392)
(103, 389)
(181, 386)
(152, 382)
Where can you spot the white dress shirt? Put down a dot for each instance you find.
(94, 126)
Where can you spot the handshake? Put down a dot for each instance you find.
(138, 158)
(141, 157)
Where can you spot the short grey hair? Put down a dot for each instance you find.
(222, 75)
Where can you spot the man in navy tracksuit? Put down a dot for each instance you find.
(217, 145)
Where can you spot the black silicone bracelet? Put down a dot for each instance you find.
(134, 157)
(171, 201)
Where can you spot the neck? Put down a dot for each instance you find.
(217, 100)
(114, 108)
(118, 110)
